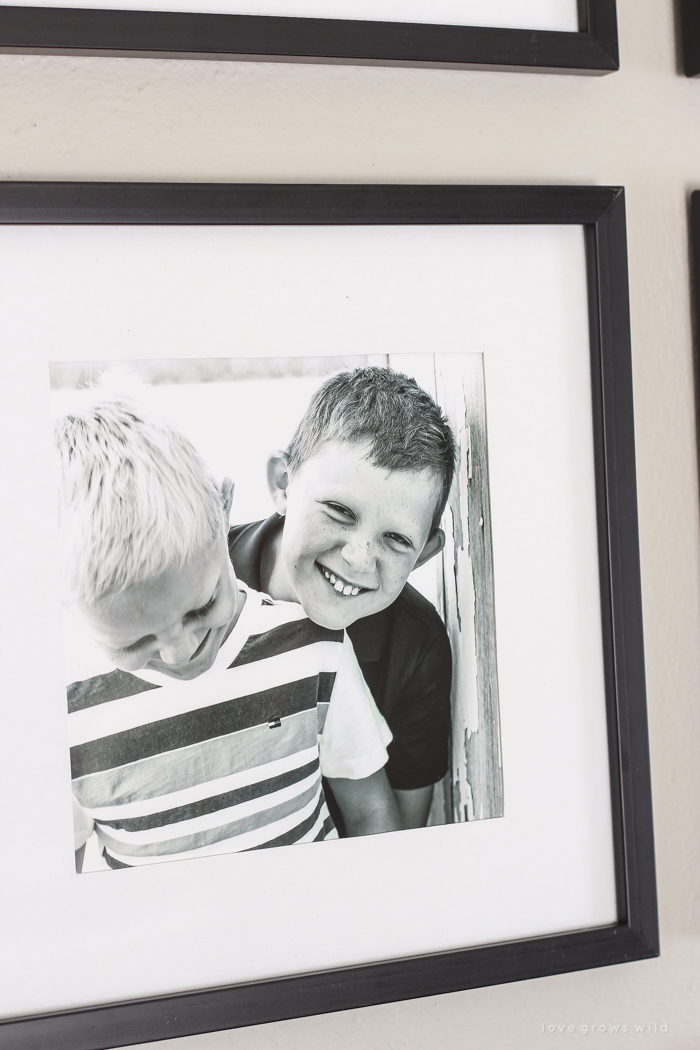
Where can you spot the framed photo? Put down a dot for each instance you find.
(690, 36)
(233, 310)
(569, 36)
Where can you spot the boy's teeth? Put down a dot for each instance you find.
(338, 585)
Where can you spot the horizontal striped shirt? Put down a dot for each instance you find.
(229, 761)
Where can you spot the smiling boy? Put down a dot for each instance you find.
(212, 711)
(359, 495)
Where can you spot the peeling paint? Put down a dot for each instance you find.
(467, 581)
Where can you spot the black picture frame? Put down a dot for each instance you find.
(694, 223)
(601, 211)
(689, 11)
(46, 30)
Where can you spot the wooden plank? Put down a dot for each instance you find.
(468, 595)
(473, 788)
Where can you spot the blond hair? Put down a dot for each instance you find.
(135, 497)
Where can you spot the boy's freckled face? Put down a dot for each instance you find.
(353, 532)
(174, 623)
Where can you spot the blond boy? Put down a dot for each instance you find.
(217, 710)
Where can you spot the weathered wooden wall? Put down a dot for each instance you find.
(468, 596)
(473, 789)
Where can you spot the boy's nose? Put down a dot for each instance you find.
(178, 650)
(359, 554)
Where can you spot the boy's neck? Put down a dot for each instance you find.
(242, 599)
(273, 574)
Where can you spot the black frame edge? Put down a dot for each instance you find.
(689, 11)
(601, 22)
(301, 204)
(170, 1017)
(158, 34)
(630, 760)
(694, 271)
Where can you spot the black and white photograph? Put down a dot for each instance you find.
(396, 484)
(314, 511)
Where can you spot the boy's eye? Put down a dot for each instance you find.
(401, 541)
(340, 510)
(199, 614)
(195, 614)
(136, 646)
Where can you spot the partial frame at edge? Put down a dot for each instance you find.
(689, 12)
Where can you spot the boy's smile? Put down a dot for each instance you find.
(353, 532)
(339, 585)
(175, 623)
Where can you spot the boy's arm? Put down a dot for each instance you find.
(83, 826)
(414, 805)
(368, 805)
(415, 689)
(352, 749)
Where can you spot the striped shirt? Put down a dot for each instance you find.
(231, 760)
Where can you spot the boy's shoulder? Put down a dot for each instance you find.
(411, 618)
(412, 604)
(403, 633)
(276, 627)
(246, 544)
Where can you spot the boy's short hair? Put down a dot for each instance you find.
(388, 411)
(135, 497)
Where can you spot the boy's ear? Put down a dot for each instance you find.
(227, 487)
(432, 547)
(277, 480)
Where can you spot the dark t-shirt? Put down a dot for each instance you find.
(405, 656)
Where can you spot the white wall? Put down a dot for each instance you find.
(71, 118)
